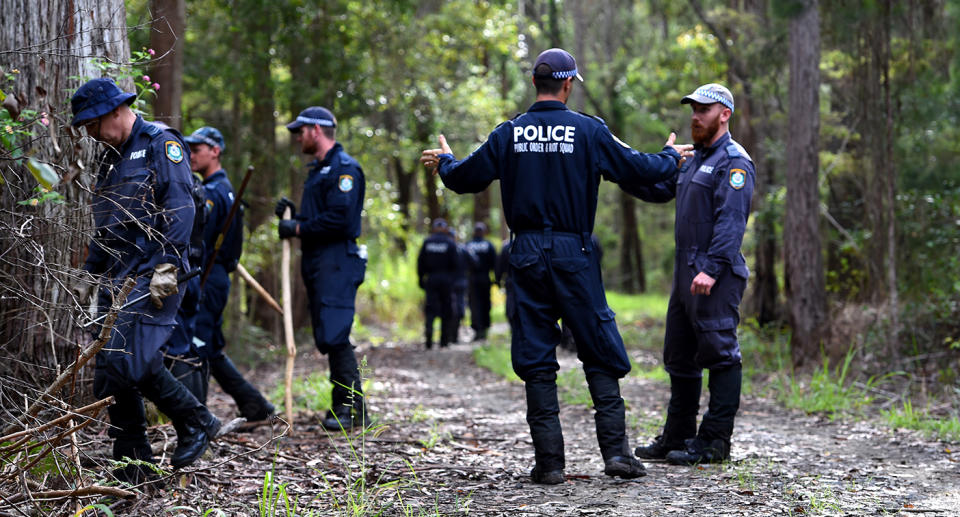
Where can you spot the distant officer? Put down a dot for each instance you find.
(483, 263)
(143, 214)
(436, 267)
(503, 280)
(713, 194)
(332, 264)
(549, 161)
(206, 147)
(461, 284)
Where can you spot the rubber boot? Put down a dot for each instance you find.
(348, 407)
(253, 406)
(681, 421)
(610, 420)
(543, 417)
(195, 425)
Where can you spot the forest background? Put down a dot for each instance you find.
(849, 110)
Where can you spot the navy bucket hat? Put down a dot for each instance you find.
(206, 135)
(96, 98)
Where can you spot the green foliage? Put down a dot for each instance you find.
(495, 356)
(311, 393)
(97, 508)
(945, 428)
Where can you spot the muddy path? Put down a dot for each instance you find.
(451, 439)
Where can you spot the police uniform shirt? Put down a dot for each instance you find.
(713, 194)
(143, 213)
(332, 201)
(549, 161)
(219, 201)
(437, 258)
(484, 258)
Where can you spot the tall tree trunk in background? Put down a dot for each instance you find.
(49, 46)
(167, 30)
(430, 194)
(481, 208)
(890, 175)
(806, 292)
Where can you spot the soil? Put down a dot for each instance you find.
(451, 439)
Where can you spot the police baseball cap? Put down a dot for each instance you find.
(562, 64)
(480, 227)
(96, 98)
(709, 94)
(438, 224)
(206, 135)
(314, 115)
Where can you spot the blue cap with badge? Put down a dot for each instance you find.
(314, 115)
(562, 65)
(206, 135)
(96, 98)
(709, 94)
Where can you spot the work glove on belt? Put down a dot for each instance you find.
(163, 283)
(82, 285)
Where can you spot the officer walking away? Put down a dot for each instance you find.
(713, 194)
(550, 161)
(503, 280)
(206, 147)
(331, 263)
(461, 284)
(143, 214)
(436, 269)
(483, 263)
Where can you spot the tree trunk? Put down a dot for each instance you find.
(49, 45)
(802, 250)
(167, 30)
(631, 262)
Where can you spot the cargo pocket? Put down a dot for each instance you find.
(526, 267)
(718, 341)
(608, 349)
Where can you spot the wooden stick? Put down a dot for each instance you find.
(92, 408)
(288, 322)
(85, 356)
(252, 282)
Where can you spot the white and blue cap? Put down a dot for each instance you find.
(562, 64)
(314, 115)
(206, 135)
(710, 94)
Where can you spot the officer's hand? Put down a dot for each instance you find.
(282, 205)
(430, 159)
(287, 228)
(685, 150)
(702, 284)
(163, 283)
(82, 285)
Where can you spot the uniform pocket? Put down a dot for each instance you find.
(742, 271)
(609, 349)
(570, 264)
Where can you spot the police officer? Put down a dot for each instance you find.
(461, 284)
(483, 263)
(436, 268)
(332, 263)
(206, 147)
(549, 161)
(713, 194)
(143, 213)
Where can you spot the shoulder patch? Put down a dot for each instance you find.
(733, 151)
(209, 204)
(738, 178)
(173, 150)
(345, 183)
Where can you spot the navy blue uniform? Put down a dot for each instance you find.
(483, 264)
(143, 214)
(713, 194)
(332, 266)
(550, 161)
(436, 270)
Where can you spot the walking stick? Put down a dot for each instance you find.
(288, 322)
(225, 228)
(252, 282)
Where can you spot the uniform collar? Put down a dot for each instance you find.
(316, 164)
(215, 176)
(134, 133)
(547, 106)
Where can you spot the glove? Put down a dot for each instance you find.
(163, 283)
(287, 228)
(282, 205)
(82, 285)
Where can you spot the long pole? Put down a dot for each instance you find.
(225, 228)
(288, 323)
(252, 282)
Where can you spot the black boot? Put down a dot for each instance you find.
(253, 406)
(428, 332)
(712, 444)
(543, 416)
(134, 474)
(348, 407)
(610, 420)
(195, 425)
(681, 421)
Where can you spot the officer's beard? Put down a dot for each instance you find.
(703, 135)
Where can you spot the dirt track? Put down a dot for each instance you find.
(454, 441)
